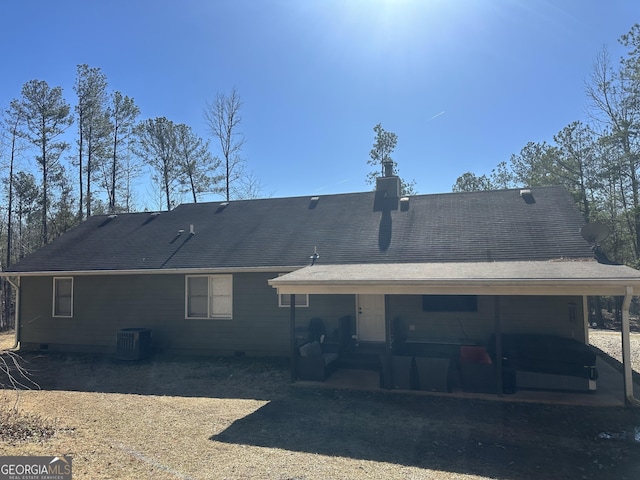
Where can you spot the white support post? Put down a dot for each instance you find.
(292, 338)
(585, 318)
(626, 350)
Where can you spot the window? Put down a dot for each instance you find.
(63, 297)
(209, 296)
(284, 300)
(302, 300)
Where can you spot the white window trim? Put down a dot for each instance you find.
(285, 304)
(53, 301)
(209, 316)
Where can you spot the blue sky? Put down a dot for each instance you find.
(464, 84)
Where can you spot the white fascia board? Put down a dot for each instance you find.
(463, 287)
(164, 271)
(491, 278)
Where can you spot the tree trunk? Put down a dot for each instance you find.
(595, 312)
(167, 190)
(89, 171)
(45, 193)
(6, 287)
(112, 197)
(80, 146)
(193, 188)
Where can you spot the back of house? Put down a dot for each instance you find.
(197, 276)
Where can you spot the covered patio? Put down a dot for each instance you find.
(498, 280)
(610, 391)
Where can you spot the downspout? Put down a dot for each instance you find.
(387, 380)
(292, 334)
(626, 350)
(498, 335)
(16, 286)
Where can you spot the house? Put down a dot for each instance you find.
(220, 278)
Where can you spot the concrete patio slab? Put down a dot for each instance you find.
(609, 393)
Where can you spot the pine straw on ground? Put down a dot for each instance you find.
(198, 418)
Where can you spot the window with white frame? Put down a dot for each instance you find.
(209, 296)
(302, 300)
(63, 297)
(284, 299)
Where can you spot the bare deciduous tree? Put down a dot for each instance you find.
(380, 154)
(13, 374)
(223, 119)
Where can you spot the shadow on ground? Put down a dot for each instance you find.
(228, 377)
(491, 439)
(487, 438)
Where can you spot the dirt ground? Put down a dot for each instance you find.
(201, 418)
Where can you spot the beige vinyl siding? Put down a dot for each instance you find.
(209, 296)
(63, 297)
(329, 308)
(102, 305)
(518, 314)
(264, 324)
(105, 304)
(548, 315)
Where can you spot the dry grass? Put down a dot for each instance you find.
(201, 418)
(611, 342)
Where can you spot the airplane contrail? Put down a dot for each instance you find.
(327, 186)
(437, 115)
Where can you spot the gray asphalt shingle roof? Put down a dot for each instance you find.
(544, 277)
(345, 228)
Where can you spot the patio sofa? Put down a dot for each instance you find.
(314, 363)
(547, 361)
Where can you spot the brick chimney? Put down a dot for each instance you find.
(389, 185)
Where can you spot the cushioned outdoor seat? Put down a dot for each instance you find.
(313, 363)
(547, 354)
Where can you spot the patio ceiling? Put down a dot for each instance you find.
(553, 277)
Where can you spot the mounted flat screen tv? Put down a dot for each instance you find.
(450, 303)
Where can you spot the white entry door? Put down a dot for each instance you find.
(371, 325)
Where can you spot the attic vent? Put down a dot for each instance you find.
(313, 202)
(404, 204)
(152, 216)
(527, 196)
(221, 207)
(109, 218)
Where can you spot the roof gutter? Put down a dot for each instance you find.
(16, 286)
(485, 286)
(163, 271)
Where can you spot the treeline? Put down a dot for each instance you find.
(598, 161)
(60, 163)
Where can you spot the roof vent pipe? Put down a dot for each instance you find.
(192, 230)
